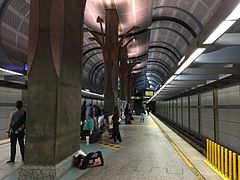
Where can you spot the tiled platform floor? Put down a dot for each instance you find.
(146, 154)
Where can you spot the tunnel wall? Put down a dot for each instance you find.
(214, 114)
(8, 98)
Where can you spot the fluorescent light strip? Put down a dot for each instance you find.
(223, 27)
(11, 72)
(189, 61)
(183, 58)
(157, 92)
(193, 57)
(235, 15)
(91, 93)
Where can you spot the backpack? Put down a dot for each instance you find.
(92, 159)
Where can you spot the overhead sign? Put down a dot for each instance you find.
(149, 93)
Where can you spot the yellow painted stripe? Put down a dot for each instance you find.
(215, 170)
(147, 126)
(185, 159)
(5, 141)
(110, 145)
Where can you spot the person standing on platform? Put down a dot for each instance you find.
(83, 114)
(102, 122)
(116, 123)
(142, 114)
(90, 110)
(126, 114)
(16, 128)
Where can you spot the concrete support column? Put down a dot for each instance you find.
(131, 86)
(123, 73)
(54, 85)
(111, 65)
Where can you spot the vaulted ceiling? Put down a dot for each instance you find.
(168, 29)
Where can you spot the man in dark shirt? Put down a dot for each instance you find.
(83, 113)
(16, 129)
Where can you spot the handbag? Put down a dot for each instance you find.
(92, 159)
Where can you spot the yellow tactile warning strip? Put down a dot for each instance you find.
(147, 126)
(110, 145)
(185, 159)
(5, 141)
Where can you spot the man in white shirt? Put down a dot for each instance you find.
(102, 122)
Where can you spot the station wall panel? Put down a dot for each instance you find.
(174, 111)
(185, 113)
(194, 120)
(217, 117)
(229, 113)
(179, 118)
(194, 124)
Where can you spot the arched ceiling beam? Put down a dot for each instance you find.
(155, 76)
(158, 63)
(176, 20)
(184, 11)
(138, 56)
(93, 70)
(154, 81)
(140, 69)
(170, 45)
(159, 66)
(172, 30)
(98, 71)
(162, 47)
(90, 44)
(157, 71)
(161, 52)
(91, 49)
(164, 63)
(84, 62)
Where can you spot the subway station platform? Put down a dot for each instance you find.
(149, 151)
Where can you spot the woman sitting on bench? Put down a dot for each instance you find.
(88, 127)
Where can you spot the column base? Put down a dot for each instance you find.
(45, 172)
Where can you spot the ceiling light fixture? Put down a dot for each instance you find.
(192, 58)
(222, 28)
(183, 58)
(11, 72)
(235, 15)
(91, 93)
(189, 61)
